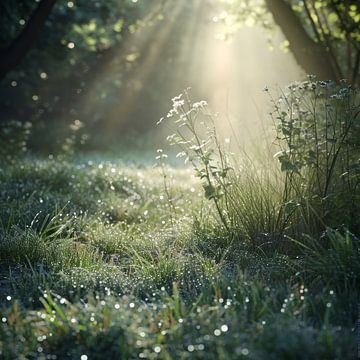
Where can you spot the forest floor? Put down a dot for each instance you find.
(101, 260)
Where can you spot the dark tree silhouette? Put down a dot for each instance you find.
(12, 55)
(312, 56)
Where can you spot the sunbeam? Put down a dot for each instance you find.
(150, 53)
(172, 188)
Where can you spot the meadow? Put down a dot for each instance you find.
(225, 257)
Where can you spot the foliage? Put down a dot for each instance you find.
(236, 14)
(318, 134)
(67, 66)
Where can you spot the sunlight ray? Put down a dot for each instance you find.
(150, 54)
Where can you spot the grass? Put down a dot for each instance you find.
(95, 262)
(227, 259)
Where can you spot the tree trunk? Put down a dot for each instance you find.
(313, 57)
(10, 57)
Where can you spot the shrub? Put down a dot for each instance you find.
(319, 138)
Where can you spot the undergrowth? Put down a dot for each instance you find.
(225, 258)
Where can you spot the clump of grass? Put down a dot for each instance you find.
(333, 259)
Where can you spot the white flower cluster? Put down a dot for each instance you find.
(200, 105)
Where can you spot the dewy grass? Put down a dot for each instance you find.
(147, 286)
(102, 260)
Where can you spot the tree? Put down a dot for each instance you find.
(323, 35)
(13, 54)
(77, 64)
(312, 56)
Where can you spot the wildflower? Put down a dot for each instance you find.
(177, 103)
(200, 105)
